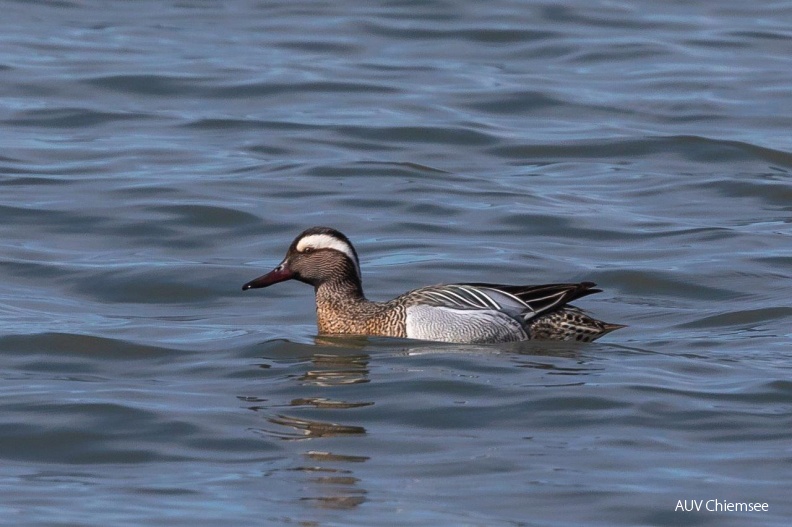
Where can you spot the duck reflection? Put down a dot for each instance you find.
(337, 487)
(322, 402)
(336, 370)
(551, 348)
(323, 397)
(310, 429)
(330, 380)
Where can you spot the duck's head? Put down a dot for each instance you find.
(318, 255)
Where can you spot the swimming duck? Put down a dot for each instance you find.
(473, 313)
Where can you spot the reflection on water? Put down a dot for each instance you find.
(558, 369)
(319, 402)
(421, 347)
(337, 488)
(153, 160)
(321, 399)
(322, 402)
(309, 429)
(334, 370)
(329, 457)
(331, 482)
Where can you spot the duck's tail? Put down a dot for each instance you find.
(569, 323)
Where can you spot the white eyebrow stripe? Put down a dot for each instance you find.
(325, 241)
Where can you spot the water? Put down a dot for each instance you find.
(155, 156)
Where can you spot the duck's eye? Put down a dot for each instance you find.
(307, 250)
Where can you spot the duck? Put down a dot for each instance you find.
(463, 313)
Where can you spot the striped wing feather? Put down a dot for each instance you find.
(542, 299)
(525, 301)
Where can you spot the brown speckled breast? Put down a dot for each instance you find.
(341, 315)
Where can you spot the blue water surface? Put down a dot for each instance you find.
(155, 156)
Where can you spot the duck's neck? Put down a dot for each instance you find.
(340, 305)
(343, 291)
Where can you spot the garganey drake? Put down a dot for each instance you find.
(474, 313)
